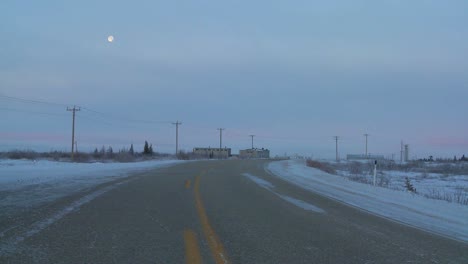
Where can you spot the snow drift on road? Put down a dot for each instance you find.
(27, 183)
(448, 219)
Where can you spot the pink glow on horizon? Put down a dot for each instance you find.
(448, 142)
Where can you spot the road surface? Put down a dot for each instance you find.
(212, 212)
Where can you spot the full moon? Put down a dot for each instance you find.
(110, 38)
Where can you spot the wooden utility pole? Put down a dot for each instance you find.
(252, 136)
(74, 109)
(336, 148)
(177, 137)
(220, 138)
(366, 135)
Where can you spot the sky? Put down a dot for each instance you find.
(293, 73)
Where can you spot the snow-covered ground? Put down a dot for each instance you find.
(443, 186)
(442, 217)
(26, 183)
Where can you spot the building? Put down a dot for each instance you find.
(254, 153)
(217, 153)
(364, 157)
(406, 157)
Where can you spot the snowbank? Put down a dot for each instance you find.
(444, 218)
(27, 183)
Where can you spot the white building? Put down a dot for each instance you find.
(217, 153)
(364, 157)
(254, 153)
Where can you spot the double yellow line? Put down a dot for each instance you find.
(192, 249)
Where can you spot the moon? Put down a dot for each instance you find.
(110, 38)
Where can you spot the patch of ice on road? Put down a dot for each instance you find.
(302, 204)
(449, 219)
(269, 186)
(259, 181)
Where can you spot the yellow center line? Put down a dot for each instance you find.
(214, 243)
(187, 184)
(192, 250)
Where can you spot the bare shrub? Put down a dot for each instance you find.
(459, 196)
(424, 175)
(182, 155)
(82, 157)
(356, 168)
(360, 178)
(384, 181)
(124, 157)
(22, 154)
(56, 155)
(321, 166)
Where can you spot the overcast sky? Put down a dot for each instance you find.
(294, 73)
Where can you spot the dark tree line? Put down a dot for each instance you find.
(148, 150)
(109, 152)
(431, 158)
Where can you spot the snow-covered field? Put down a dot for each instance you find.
(26, 183)
(438, 216)
(447, 186)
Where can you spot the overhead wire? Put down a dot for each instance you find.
(33, 112)
(31, 101)
(113, 116)
(125, 118)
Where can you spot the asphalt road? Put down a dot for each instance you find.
(209, 212)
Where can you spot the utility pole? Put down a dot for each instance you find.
(74, 109)
(375, 170)
(336, 141)
(401, 152)
(252, 136)
(366, 135)
(177, 137)
(220, 137)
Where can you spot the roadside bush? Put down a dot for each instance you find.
(384, 181)
(460, 196)
(321, 166)
(355, 168)
(182, 155)
(82, 157)
(22, 154)
(424, 175)
(124, 157)
(360, 178)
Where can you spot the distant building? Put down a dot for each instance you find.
(406, 158)
(364, 157)
(254, 153)
(217, 153)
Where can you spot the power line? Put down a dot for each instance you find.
(31, 101)
(31, 112)
(126, 119)
(24, 100)
(101, 121)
